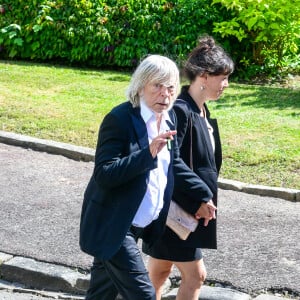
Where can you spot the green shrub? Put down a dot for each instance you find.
(261, 37)
(102, 33)
(268, 31)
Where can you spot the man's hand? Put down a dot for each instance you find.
(160, 141)
(207, 211)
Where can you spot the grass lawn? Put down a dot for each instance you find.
(259, 125)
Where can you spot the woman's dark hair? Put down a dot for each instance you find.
(207, 58)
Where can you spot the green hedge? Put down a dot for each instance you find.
(102, 33)
(259, 36)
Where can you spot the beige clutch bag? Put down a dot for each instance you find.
(181, 222)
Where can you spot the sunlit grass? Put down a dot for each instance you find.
(260, 132)
(259, 125)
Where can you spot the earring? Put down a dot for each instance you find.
(201, 88)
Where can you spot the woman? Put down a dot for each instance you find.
(207, 68)
(129, 193)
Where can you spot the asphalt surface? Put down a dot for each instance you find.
(41, 196)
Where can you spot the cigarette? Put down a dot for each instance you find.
(169, 144)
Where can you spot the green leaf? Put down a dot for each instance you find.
(12, 53)
(14, 27)
(37, 28)
(12, 34)
(18, 41)
(251, 22)
(48, 18)
(35, 45)
(275, 26)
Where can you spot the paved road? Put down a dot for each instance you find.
(41, 196)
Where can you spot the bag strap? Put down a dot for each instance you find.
(191, 133)
(191, 143)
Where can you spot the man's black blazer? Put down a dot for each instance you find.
(119, 181)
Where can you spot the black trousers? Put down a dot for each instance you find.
(123, 274)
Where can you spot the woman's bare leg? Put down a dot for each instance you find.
(193, 275)
(159, 271)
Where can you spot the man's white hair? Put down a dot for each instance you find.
(154, 68)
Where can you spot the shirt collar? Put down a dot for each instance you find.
(147, 113)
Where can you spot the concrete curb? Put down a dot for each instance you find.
(261, 190)
(20, 290)
(62, 282)
(213, 293)
(88, 154)
(42, 275)
(67, 150)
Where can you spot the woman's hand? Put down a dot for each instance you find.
(207, 210)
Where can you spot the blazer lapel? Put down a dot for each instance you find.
(171, 123)
(140, 128)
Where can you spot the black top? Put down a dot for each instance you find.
(206, 164)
